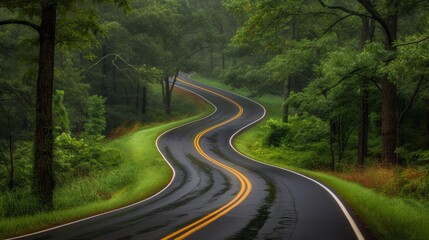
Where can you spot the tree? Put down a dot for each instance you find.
(96, 122)
(60, 114)
(46, 11)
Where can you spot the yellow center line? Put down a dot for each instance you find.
(246, 186)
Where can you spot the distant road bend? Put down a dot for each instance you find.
(217, 193)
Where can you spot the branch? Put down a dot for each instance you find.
(174, 82)
(324, 91)
(101, 59)
(196, 51)
(335, 23)
(20, 22)
(376, 15)
(414, 42)
(375, 83)
(346, 10)
(117, 56)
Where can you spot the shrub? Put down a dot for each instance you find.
(77, 157)
(301, 142)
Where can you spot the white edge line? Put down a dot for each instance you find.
(144, 200)
(353, 224)
(341, 205)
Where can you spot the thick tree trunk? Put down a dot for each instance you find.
(388, 110)
(286, 93)
(389, 24)
(43, 174)
(388, 122)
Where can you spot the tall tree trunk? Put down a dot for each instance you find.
(43, 174)
(388, 122)
(286, 93)
(389, 25)
(388, 110)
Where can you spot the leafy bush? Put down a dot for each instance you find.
(77, 157)
(301, 142)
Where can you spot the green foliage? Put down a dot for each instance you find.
(23, 162)
(81, 157)
(18, 203)
(142, 173)
(95, 121)
(300, 142)
(60, 114)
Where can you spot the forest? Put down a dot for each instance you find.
(350, 81)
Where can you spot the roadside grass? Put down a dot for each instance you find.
(387, 217)
(143, 174)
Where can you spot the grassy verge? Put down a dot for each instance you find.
(142, 174)
(387, 217)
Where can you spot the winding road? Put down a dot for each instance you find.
(217, 193)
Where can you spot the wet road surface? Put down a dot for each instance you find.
(232, 197)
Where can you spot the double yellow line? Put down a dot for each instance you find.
(246, 186)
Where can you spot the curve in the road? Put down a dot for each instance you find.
(246, 185)
(281, 204)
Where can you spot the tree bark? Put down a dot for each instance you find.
(388, 122)
(286, 94)
(43, 174)
(388, 111)
(389, 25)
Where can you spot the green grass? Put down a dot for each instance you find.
(143, 174)
(387, 218)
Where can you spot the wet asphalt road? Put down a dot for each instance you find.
(281, 204)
